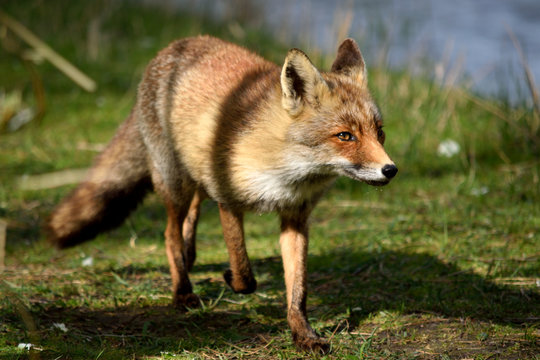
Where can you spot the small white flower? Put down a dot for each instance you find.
(22, 117)
(402, 218)
(448, 148)
(89, 261)
(100, 101)
(479, 191)
(60, 326)
(26, 346)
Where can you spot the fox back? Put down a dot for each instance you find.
(257, 136)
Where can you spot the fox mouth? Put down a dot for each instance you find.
(368, 175)
(376, 183)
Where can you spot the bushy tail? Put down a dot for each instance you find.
(114, 186)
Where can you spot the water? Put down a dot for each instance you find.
(463, 42)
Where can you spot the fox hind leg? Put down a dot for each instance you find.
(189, 228)
(182, 290)
(177, 201)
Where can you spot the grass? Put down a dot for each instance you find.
(442, 263)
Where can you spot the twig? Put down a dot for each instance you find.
(25, 315)
(39, 92)
(337, 327)
(3, 226)
(52, 180)
(44, 50)
(528, 75)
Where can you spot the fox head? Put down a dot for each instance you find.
(335, 122)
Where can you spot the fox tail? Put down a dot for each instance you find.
(114, 186)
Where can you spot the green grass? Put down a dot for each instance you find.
(441, 264)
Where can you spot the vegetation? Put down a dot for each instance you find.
(442, 263)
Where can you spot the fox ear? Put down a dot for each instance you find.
(349, 60)
(301, 82)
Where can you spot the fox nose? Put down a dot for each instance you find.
(389, 171)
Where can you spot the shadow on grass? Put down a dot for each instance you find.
(147, 330)
(414, 283)
(342, 282)
(409, 283)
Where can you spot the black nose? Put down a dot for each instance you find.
(389, 171)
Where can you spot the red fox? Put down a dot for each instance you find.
(215, 120)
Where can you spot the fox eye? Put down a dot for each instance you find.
(381, 136)
(346, 136)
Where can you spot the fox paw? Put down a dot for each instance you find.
(312, 343)
(186, 301)
(242, 285)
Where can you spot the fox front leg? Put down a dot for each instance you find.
(240, 276)
(189, 228)
(294, 246)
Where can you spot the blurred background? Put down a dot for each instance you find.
(425, 59)
(455, 41)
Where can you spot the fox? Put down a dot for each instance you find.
(213, 120)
